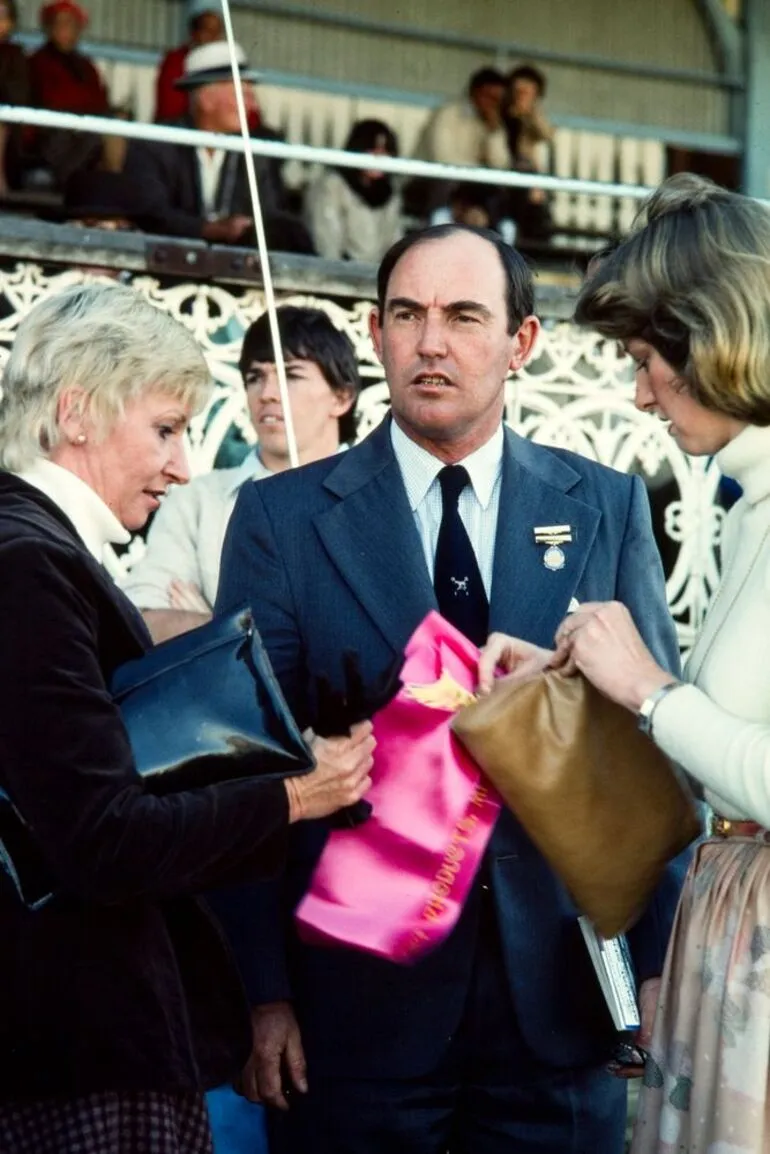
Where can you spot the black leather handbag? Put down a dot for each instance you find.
(205, 707)
(201, 709)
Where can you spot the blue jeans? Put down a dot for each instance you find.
(238, 1126)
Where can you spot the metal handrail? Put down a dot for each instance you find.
(194, 138)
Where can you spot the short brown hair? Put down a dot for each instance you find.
(693, 281)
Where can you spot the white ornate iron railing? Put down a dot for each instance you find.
(577, 392)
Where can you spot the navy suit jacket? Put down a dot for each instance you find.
(329, 558)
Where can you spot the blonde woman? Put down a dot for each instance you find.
(688, 295)
(120, 1003)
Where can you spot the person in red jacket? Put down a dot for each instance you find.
(205, 25)
(65, 80)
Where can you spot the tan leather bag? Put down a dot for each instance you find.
(596, 796)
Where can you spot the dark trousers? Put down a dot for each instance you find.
(489, 1095)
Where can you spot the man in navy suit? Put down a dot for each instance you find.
(497, 1041)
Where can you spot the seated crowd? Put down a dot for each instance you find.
(343, 213)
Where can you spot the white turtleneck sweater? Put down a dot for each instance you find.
(94, 521)
(718, 726)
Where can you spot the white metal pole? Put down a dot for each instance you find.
(138, 130)
(264, 256)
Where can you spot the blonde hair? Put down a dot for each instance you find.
(104, 339)
(693, 281)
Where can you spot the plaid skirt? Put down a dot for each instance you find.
(124, 1122)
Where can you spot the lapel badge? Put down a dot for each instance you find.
(554, 536)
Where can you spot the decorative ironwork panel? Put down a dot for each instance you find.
(576, 393)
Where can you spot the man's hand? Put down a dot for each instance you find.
(276, 1048)
(229, 230)
(634, 1054)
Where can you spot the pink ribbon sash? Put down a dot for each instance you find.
(395, 885)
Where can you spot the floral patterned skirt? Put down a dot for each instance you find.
(707, 1084)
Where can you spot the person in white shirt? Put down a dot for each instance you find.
(175, 582)
(466, 131)
(688, 295)
(353, 213)
(469, 131)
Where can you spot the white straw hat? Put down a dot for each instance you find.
(211, 62)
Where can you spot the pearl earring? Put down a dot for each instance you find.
(80, 439)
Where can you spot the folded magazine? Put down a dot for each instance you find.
(615, 972)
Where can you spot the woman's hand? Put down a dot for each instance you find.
(520, 658)
(340, 778)
(601, 641)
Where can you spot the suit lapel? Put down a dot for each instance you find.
(371, 538)
(528, 599)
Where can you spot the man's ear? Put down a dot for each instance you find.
(375, 332)
(344, 399)
(523, 343)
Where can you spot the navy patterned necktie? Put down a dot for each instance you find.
(460, 592)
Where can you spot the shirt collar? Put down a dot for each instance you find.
(420, 468)
(95, 523)
(250, 469)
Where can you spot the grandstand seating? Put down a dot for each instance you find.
(321, 118)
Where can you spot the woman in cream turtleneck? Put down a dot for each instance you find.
(688, 295)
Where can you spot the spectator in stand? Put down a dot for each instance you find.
(526, 127)
(64, 80)
(204, 192)
(472, 204)
(355, 213)
(175, 583)
(525, 123)
(14, 89)
(204, 21)
(468, 131)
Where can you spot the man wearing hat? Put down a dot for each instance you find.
(204, 191)
(204, 24)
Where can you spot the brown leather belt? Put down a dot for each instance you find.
(727, 827)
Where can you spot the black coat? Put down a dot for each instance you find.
(123, 981)
(170, 172)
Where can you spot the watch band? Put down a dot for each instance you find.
(647, 708)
